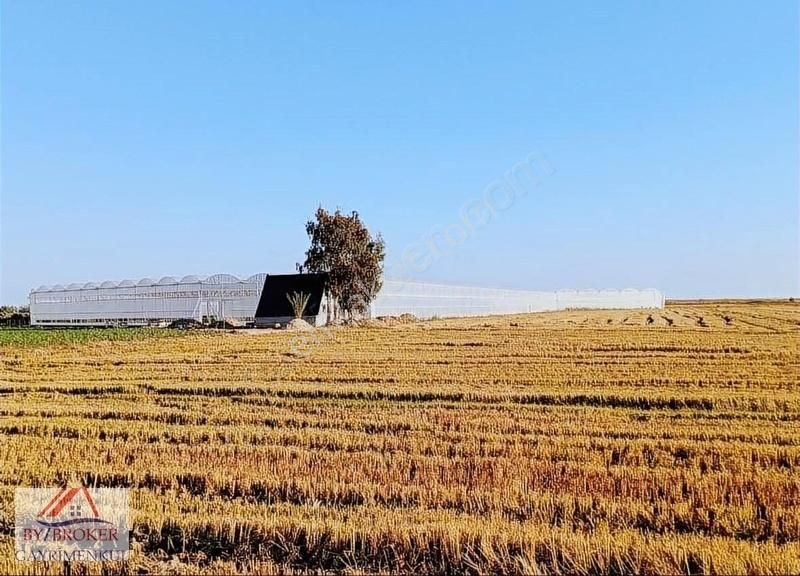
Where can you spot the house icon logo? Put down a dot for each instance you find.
(70, 506)
(71, 523)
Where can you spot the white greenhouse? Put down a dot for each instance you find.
(426, 300)
(149, 302)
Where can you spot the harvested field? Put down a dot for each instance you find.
(648, 441)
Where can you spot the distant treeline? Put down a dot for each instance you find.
(15, 316)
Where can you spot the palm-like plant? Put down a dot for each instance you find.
(299, 301)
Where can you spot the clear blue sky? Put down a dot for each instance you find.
(153, 138)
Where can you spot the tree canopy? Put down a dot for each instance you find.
(15, 315)
(342, 247)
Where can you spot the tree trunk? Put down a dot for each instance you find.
(328, 312)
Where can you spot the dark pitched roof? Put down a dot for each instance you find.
(274, 303)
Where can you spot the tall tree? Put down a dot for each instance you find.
(342, 247)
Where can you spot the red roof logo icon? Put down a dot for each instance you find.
(70, 506)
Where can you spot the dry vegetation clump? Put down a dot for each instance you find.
(588, 442)
(298, 324)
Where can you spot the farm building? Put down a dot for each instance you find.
(157, 303)
(274, 306)
(426, 300)
(146, 301)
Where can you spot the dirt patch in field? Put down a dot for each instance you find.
(299, 325)
(383, 321)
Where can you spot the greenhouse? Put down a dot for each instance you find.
(149, 302)
(426, 300)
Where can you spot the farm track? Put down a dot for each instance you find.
(578, 441)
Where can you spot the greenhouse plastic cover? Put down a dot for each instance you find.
(425, 300)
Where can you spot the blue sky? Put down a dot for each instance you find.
(154, 138)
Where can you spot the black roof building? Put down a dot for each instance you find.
(274, 306)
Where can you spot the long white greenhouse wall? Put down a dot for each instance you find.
(147, 301)
(425, 300)
(224, 296)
